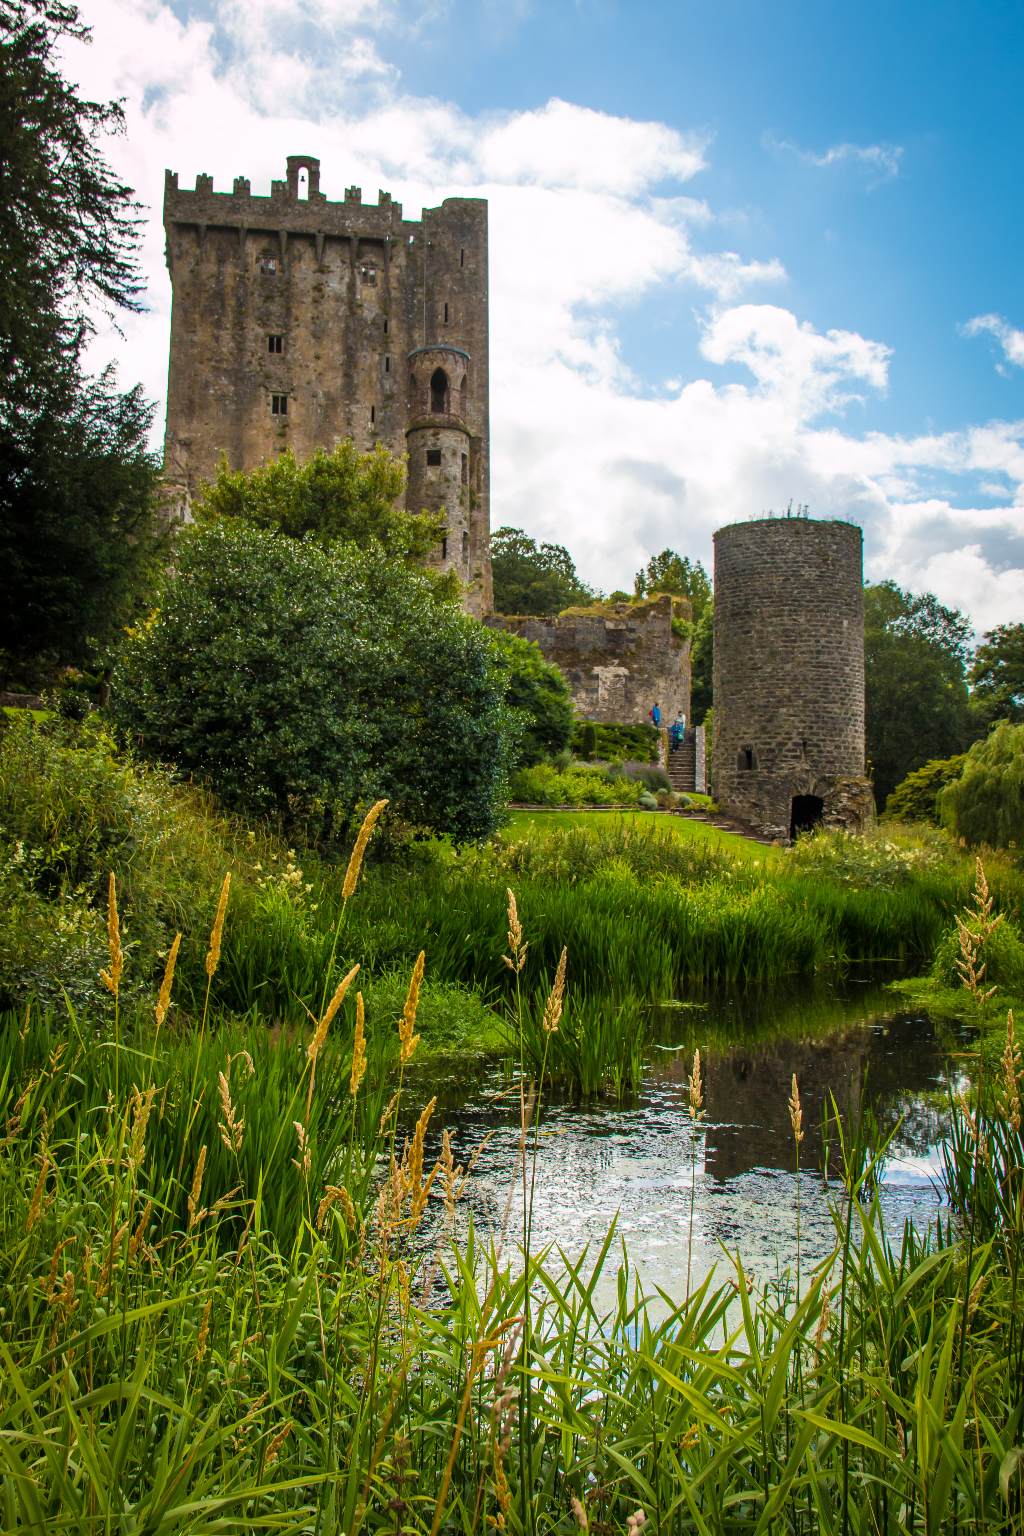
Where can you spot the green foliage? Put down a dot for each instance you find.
(532, 578)
(78, 526)
(1002, 953)
(614, 743)
(582, 784)
(985, 805)
(997, 674)
(81, 540)
(291, 679)
(71, 810)
(915, 798)
(702, 664)
(538, 694)
(587, 740)
(678, 574)
(68, 227)
(341, 495)
(915, 652)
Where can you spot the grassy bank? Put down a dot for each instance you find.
(218, 1314)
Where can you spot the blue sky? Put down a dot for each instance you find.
(741, 253)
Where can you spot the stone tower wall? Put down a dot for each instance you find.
(789, 672)
(352, 291)
(617, 661)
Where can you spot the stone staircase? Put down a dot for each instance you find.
(682, 764)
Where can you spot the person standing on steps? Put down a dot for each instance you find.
(677, 731)
(655, 714)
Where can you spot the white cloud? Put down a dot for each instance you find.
(587, 217)
(1010, 340)
(881, 162)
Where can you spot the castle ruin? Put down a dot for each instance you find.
(297, 322)
(789, 675)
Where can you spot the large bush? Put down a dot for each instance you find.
(538, 693)
(986, 803)
(579, 785)
(613, 743)
(915, 798)
(292, 678)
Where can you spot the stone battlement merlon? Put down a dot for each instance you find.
(281, 210)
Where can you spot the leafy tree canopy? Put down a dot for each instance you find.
(916, 798)
(80, 541)
(531, 577)
(915, 681)
(539, 696)
(702, 664)
(985, 805)
(997, 673)
(78, 523)
(340, 495)
(291, 678)
(68, 227)
(669, 572)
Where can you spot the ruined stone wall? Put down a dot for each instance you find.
(789, 673)
(296, 321)
(617, 660)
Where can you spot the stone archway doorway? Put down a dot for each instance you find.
(805, 814)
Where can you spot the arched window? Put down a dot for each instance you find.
(438, 392)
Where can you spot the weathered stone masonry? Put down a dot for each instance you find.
(298, 322)
(617, 661)
(789, 675)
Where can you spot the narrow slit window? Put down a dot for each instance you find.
(387, 365)
(433, 458)
(446, 314)
(385, 325)
(462, 258)
(303, 187)
(373, 415)
(279, 405)
(465, 548)
(465, 469)
(275, 344)
(444, 549)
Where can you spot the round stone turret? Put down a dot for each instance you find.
(789, 675)
(441, 455)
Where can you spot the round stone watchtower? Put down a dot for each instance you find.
(789, 675)
(441, 458)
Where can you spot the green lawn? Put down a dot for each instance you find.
(537, 821)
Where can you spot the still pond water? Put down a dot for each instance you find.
(632, 1164)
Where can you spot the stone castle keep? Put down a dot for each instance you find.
(298, 322)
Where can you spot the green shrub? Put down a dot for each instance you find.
(538, 696)
(615, 743)
(1002, 953)
(582, 784)
(292, 679)
(588, 741)
(915, 798)
(985, 805)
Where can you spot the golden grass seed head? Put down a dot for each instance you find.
(407, 1022)
(358, 1048)
(195, 1214)
(231, 1128)
(316, 1045)
(355, 862)
(163, 1002)
(217, 932)
(1010, 1075)
(516, 957)
(304, 1161)
(579, 1513)
(796, 1114)
(111, 978)
(696, 1087)
(553, 1006)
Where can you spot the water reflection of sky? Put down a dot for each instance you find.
(641, 1165)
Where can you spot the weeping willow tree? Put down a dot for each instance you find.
(986, 804)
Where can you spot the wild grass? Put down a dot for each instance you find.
(219, 1313)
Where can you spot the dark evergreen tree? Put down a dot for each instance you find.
(533, 578)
